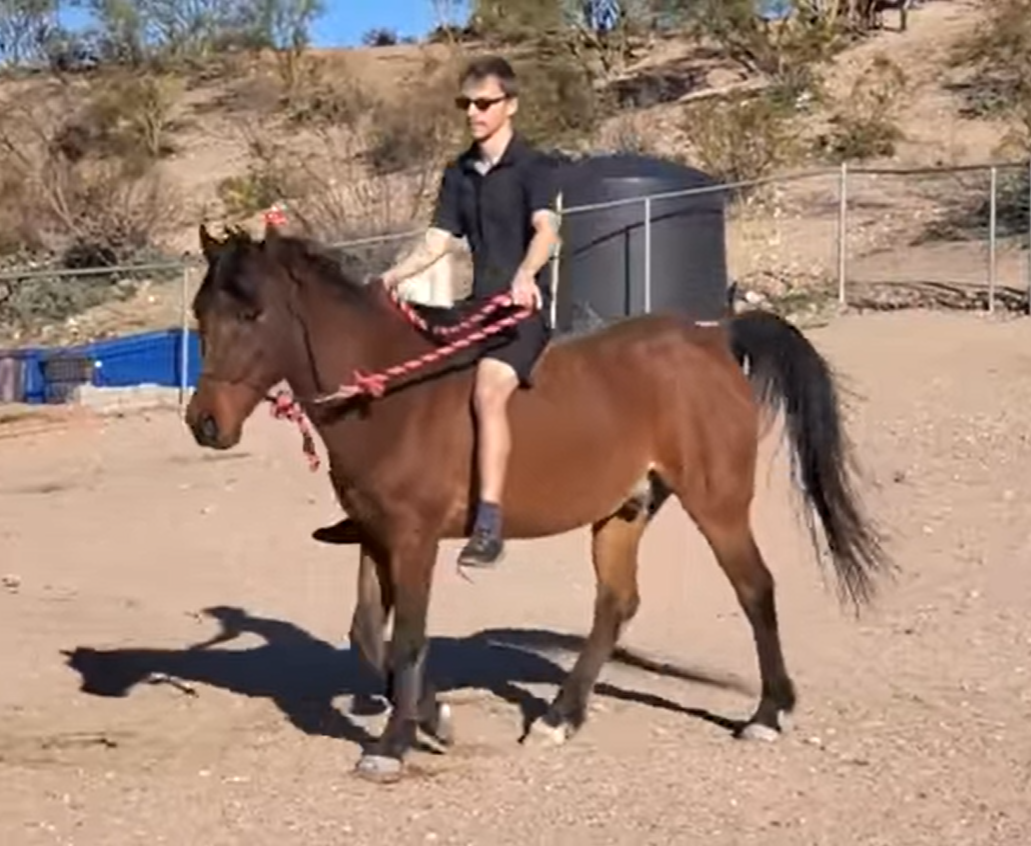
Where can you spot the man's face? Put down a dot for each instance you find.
(486, 106)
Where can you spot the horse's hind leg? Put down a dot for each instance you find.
(720, 510)
(374, 601)
(614, 548)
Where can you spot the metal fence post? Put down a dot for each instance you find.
(184, 336)
(842, 232)
(993, 216)
(555, 258)
(1029, 236)
(647, 254)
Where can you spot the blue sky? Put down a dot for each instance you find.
(345, 21)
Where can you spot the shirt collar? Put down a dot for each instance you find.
(517, 149)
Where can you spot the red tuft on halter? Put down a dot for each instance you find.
(275, 215)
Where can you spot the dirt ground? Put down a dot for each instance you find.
(913, 725)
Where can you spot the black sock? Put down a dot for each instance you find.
(488, 518)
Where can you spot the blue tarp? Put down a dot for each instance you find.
(149, 358)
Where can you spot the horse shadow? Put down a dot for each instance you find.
(303, 674)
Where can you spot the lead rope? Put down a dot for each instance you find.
(286, 407)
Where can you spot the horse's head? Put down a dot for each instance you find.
(244, 317)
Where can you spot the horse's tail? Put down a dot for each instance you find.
(788, 374)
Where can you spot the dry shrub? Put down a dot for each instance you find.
(268, 177)
(742, 139)
(631, 133)
(997, 59)
(866, 124)
(141, 110)
(329, 189)
(128, 117)
(787, 52)
(328, 99)
(80, 206)
(420, 128)
(89, 214)
(559, 105)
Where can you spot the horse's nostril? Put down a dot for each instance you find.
(209, 429)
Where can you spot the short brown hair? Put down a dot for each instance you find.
(483, 67)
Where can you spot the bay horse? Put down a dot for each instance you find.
(619, 421)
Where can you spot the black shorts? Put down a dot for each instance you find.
(521, 346)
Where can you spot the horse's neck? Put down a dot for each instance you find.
(343, 339)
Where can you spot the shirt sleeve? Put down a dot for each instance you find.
(447, 213)
(541, 184)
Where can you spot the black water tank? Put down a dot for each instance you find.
(602, 264)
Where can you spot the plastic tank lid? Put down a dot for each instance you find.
(632, 166)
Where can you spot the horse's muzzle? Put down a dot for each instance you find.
(206, 432)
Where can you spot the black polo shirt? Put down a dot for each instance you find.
(493, 210)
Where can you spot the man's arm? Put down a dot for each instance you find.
(433, 246)
(437, 242)
(545, 221)
(542, 245)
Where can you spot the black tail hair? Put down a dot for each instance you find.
(788, 374)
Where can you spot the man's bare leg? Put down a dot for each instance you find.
(495, 384)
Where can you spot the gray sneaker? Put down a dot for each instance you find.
(482, 550)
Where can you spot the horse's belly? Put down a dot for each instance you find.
(571, 473)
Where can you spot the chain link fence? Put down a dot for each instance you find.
(861, 237)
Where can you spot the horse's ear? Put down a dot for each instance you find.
(272, 233)
(209, 244)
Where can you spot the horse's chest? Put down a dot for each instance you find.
(355, 499)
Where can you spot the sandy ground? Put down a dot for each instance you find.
(913, 725)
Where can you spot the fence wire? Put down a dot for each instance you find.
(872, 238)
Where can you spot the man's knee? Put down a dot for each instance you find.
(495, 383)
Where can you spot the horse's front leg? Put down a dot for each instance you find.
(410, 564)
(375, 601)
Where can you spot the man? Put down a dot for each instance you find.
(498, 194)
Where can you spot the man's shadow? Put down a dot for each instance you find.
(302, 674)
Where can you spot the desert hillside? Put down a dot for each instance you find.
(115, 164)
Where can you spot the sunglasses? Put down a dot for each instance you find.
(481, 103)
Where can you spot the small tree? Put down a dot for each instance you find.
(25, 26)
(380, 37)
(284, 26)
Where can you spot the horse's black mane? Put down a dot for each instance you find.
(339, 271)
(301, 257)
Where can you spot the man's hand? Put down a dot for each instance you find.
(525, 292)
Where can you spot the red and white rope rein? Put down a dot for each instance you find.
(286, 407)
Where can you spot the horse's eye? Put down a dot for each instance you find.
(249, 315)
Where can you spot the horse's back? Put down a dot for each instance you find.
(649, 337)
(616, 381)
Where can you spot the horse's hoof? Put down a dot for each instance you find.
(443, 737)
(380, 769)
(542, 733)
(759, 731)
